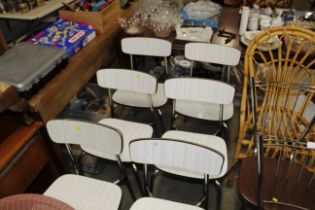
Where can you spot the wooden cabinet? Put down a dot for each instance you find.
(23, 154)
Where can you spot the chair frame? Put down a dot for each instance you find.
(274, 141)
(147, 186)
(262, 139)
(76, 164)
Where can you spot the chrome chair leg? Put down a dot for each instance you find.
(219, 194)
(138, 179)
(125, 177)
(75, 164)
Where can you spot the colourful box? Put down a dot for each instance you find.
(66, 34)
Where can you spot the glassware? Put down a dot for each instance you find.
(160, 16)
(133, 25)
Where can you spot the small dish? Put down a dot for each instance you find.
(274, 43)
(250, 35)
(134, 30)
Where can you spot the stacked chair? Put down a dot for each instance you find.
(212, 105)
(134, 88)
(186, 154)
(108, 139)
(200, 98)
(277, 132)
(145, 47)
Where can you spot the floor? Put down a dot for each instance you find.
(166, 186)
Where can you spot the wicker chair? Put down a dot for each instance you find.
(276, 61)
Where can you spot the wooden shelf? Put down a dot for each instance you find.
(39, 12)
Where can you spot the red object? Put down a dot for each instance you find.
(87, 6)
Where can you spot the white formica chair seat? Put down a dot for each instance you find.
(83, 193)
(204, 111)
(148, 203)
(137, 99)
(210, 141)
(128, 130)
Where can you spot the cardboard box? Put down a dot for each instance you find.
(101, 21)
(66, 34)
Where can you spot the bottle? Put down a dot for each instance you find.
(244, 20)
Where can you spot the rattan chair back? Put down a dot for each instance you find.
(279, 65)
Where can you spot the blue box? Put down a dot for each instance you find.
(66, 34)
(210, 22)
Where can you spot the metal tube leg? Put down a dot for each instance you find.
(228, 74)
(152, 180)
(138, 179)
(130, 188)
(75, 164)
(125, 176)
(206, 191)
(219, 194)
(146, 181)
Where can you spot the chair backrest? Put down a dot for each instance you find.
(177, 154)
(279, 66)
(201, 90)
(91, 135)
(146, 46)
(130, 80)
(212, 53)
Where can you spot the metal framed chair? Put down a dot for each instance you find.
(187, 154)
(108, 139)
(281, 174)
(214, 102)
(132, 88)
(284, 182)
(214, 54)
(152, 47)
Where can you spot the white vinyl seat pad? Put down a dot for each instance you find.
(129, 131)
(160, 204)
(210, 141)
(203, 110)
(83, 193)
(136, 99)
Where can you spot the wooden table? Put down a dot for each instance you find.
(230, 20)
